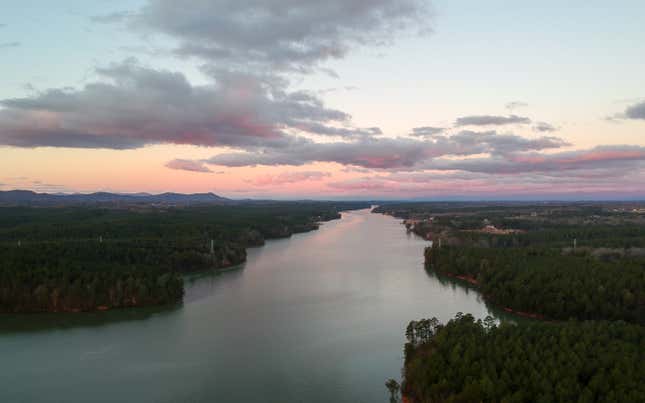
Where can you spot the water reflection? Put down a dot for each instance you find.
(318, 317)
(47, 322)
(454, 284)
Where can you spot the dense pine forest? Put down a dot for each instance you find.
(85, 258)
(579, 268)
(544, 282)
(474, 361)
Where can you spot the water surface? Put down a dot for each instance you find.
(318, 317)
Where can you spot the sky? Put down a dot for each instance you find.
(342, 99)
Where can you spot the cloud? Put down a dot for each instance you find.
(622, 158)
(544, 127)
(516, 104)
(600, 156)
(469, 142)
(187, 165)
(364, 185)
(388, 153)
(245, 107)
(133, 106)
(23, 182)
(334, 89)
(490, 120)
(478, 186)
(636, 111)
(365, 152)
(249, 50)
(247, 45)
(290, 177)
(427, 131)
(345, 132)
(594, 173)
(9, 45)
(292, 36)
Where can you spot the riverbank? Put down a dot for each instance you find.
(87, 259)
(318, 305)
(473, 283)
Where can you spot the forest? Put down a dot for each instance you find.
(551, 260)
(478, 361)
(544, 282)
(576, 269)
(87, 258)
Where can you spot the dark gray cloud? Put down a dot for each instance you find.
(286, 35)
(491, 120)
(247, 46)
(388, 153)
(427, 131)
(544, 127)
(9, 45)
(187, 165)
(516, 104)
(366, 152)
(636, 111)
(134, 106)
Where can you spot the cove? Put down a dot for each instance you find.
(318, 317)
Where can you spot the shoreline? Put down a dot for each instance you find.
(186, 275)
(471, 281)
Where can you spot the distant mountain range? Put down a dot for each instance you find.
(27, 197)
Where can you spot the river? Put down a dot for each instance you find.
(318, 317)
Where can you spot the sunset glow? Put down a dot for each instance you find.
(381, 99)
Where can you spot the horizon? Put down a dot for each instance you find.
(381, 100)
(453, 199)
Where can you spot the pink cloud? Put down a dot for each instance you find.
(579, 159)
(473, 184)
(290, 177)
(187, 165)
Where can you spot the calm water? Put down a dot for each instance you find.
(318, 317)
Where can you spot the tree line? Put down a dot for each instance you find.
(83, 258)
(478, 361)
(545, 282)
(580, 264)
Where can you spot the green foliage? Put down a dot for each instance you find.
(470, 361)
(78, 259)
(79, 288)
(523, 257)
(594, 225)
(393, 387)
(543, 281)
